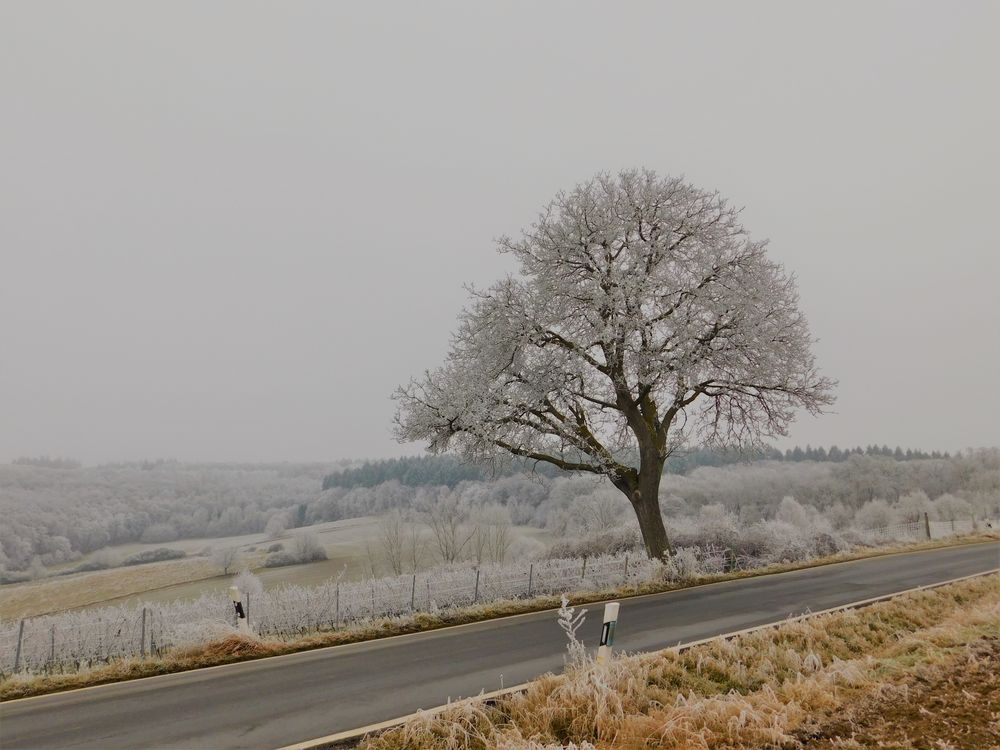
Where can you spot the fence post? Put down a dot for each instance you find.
(975, 526)
(475, 597)
(413, 594)
(952, 525)
(625, 578)
(142, 635)
(927, 525)
(241, 617)
(583, 571)
(336, 622)
(729, 560)
(17, 654)
(52, 648)
(531, 576)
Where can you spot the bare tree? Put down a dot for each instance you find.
(225, 558)
(447, 523)
(500, 535)
(491, 534)
(597, 512)
(480, 541)
(415, 546)
(644, 315)
(391, 535)
(372, 558)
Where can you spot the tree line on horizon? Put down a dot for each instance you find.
(449, 471)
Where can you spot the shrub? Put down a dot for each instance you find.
(16, 576)
(280, 559)
(154, 555)
(248, 583)
(305, 549)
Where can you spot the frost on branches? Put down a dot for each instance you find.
(644, 315)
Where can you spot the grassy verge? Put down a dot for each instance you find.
(235, 649)
(785, 687)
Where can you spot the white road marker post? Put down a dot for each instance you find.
(241, 618)
(607, 632)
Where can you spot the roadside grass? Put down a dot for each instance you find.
(776, 687)
(236, 648)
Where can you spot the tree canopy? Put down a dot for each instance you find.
(644, 316)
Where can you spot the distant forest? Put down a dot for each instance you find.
(55, 511)
(447, 471)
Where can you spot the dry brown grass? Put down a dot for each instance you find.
(23, 686)
(765, 689)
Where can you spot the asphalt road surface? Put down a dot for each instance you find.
(274, 702)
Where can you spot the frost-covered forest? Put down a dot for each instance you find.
(56, 511)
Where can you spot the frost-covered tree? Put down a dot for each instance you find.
(790, 511)
(276, 525)
(644, 314)
(392, 536)
(226, 558)
(248, 583)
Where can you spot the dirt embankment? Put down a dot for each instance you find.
(944, 707)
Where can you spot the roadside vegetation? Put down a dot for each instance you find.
(839, 680)
(224, 645)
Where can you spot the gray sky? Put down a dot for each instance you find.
(228, 230)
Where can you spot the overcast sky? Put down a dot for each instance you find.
(228, 230)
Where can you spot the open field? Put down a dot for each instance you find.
(345, 543)
(70, 592)
(781, 687)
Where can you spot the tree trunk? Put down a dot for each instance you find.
(644, 494)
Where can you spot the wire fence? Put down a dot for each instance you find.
(78, 640)
(922, 529)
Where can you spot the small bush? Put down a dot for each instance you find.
(154, 555)
(280, 559)
(276, 547)
(86, 567)
(307, 548)
(16, 576)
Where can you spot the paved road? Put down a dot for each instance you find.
(274, 702)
